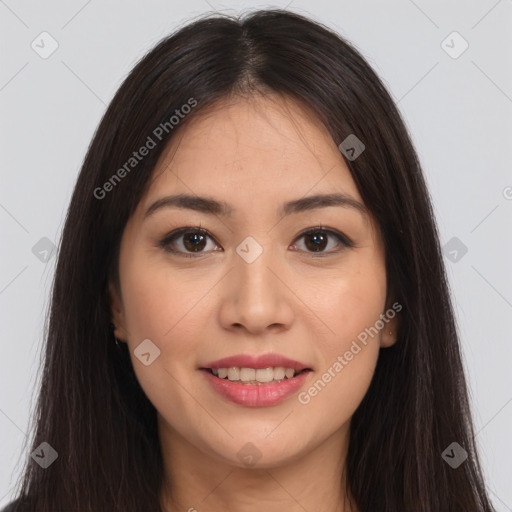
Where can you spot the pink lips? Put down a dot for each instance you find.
(254, 395)
(263, 361)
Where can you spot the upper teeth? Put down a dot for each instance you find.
(255, 374)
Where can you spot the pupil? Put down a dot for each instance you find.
(196, 240)
(319, 241)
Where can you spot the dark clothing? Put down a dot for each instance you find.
(9, 507)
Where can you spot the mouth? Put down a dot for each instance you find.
(256, 376)
(256, 387)
(256, 380)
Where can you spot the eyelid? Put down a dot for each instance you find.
(166, 241)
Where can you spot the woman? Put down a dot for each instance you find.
(250, 309)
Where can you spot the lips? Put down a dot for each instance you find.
(240, 386)
(263, 361)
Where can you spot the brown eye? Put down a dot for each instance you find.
(190, 242)
(316, 240)
(194, 241)
(186, 242)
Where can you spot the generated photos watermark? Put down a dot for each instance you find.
(151, 142)
(343, 360)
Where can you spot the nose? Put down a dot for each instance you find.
(256, 297)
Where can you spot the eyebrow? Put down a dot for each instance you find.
(214, 207)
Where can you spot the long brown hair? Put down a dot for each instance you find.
(91, 408)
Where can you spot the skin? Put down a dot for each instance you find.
(254, 154)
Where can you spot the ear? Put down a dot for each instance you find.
(392, 324)
(117, 313)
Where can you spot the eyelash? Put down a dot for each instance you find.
(166, 242)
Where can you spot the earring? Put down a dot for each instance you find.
(113, 328)
(390, 332)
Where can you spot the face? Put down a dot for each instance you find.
(247, 281)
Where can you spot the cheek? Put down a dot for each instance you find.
(344, 376)
(157, 307)
(349, 303)
(158, 301)
(164, 305)
(150, 306)
(332, 397)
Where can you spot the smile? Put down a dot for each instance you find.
(256, 381)
(255, 376)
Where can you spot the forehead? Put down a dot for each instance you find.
(250, 150)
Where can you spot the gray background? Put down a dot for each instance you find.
(458, 111)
